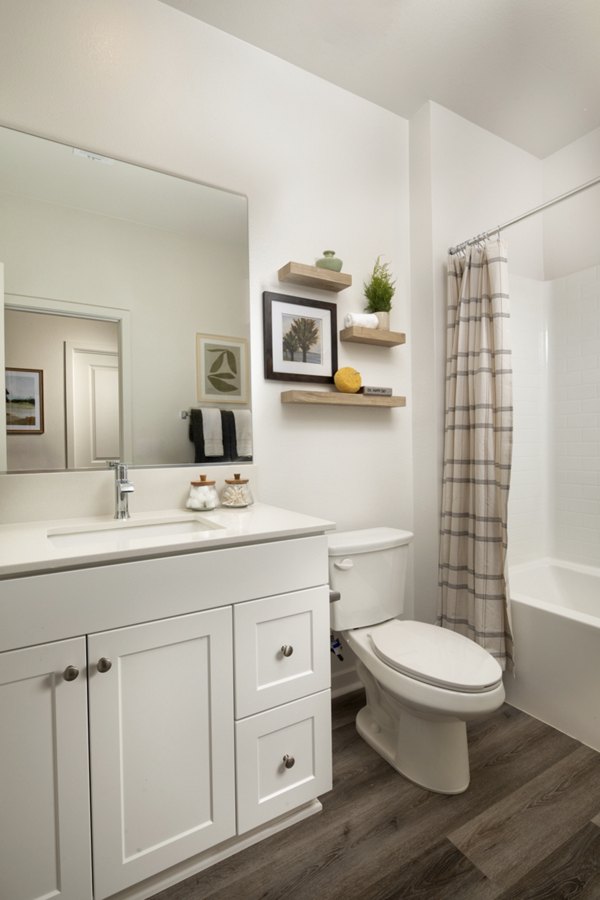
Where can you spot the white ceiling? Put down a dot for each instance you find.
(527, 70)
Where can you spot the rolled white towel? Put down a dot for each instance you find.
(364, 320)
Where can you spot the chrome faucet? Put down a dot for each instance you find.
(123, 487)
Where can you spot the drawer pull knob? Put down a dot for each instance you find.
(70, 673)
(287, 650)
(104, 664)
(288, 761)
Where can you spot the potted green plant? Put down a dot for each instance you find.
(379, 290)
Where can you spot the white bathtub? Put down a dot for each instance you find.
(556, 623)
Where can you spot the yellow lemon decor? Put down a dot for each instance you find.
(347, 380)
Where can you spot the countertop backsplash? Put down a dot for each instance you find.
(35, 496)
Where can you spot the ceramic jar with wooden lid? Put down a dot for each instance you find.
(236, 492)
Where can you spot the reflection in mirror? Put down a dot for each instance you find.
(110, 273)
(80, 361)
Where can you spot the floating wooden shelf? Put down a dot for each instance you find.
(312, 276)
(336, 398)
(358, 335)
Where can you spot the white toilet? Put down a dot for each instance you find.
(423, 682)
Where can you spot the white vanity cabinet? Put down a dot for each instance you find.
(148, 750)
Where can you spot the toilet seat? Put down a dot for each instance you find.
(435, 656)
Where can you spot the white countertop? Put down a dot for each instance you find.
(45, 546)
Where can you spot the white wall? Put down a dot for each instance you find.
(571, 264)
(322, 168)
(528, 505)
(571, 228)
(555, 487)
(467, 179)
(574, 483)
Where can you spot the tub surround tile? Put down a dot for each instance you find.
(556, 418)
(520, 831)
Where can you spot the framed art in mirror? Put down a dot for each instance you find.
(221, 369)
(24, 390)
(300, 339)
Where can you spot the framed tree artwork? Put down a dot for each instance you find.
(300, 339)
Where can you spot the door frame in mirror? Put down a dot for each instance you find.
(51, 306)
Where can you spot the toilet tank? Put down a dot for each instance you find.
(368, 568)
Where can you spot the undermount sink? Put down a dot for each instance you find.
(124, 534)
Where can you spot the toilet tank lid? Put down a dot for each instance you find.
(366, 540)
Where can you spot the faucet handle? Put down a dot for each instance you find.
(120, 469)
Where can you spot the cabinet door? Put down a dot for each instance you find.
(283, 759)
(161, 743)
(44, 790)
(281, 649)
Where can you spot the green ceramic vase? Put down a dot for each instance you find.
(330, 261)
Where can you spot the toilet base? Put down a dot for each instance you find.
(431, 751)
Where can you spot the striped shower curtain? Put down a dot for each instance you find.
(477, 451)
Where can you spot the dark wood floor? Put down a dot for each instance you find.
(528, 827)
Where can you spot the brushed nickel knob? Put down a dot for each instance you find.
(70, 673)
(287, 650)
(288, 761)
(104, 664)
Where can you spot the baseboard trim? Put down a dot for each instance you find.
(344, 683)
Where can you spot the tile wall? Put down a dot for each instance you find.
(528, 526)
(574, 393)
(554, 505)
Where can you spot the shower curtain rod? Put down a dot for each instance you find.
(486, 234)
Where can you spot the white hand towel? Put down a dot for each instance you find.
(213, 432)
(364, 320)
(243, 431)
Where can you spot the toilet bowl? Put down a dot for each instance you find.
(422, 682)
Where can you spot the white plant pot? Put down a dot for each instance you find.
(383, 321)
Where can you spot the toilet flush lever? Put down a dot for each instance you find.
(344, 564)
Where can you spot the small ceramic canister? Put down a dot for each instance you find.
(236, 492)
(329, 261)
(203, 494)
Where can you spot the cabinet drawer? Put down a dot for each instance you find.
(281, 649)
(298, 733)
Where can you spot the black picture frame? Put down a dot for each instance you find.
(289, 323)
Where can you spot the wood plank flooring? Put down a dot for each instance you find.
(528, 828)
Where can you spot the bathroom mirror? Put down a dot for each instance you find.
(111, 270)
